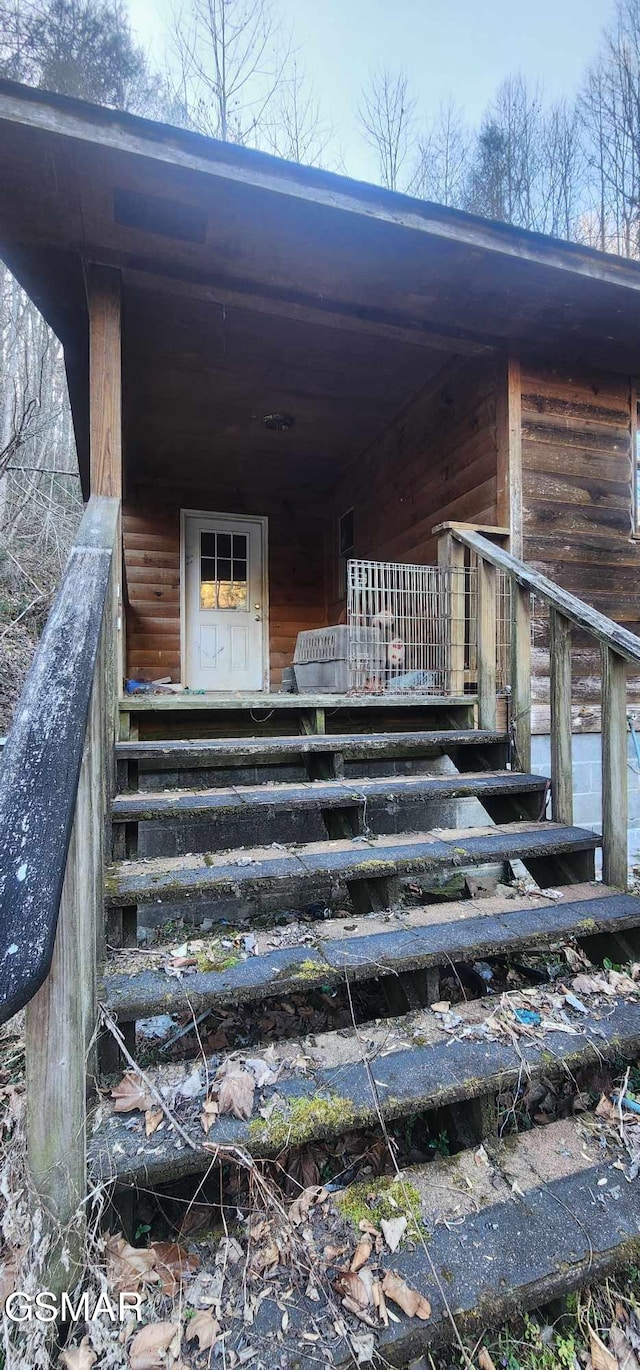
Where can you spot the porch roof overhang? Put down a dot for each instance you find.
(390, 286)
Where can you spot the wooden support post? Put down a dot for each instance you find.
(105, 413)
(451, 558)
(560, 687)
(521, 675)
(509, 452)
(105, 381)
(614, 769)
(487, 644)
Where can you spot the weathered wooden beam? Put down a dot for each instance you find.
(487, 644)
(614, 769)
(509, 452)
(451, 559)
(60, 1033)
(374, 322)
(105, 380)
(560, 685)
(521, 675)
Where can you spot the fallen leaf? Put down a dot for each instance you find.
(625, 1355)
(485, 1361)
(314, 1194)
(80, 1357)
(361, 1253)
(601, 1357)
(352, 1287)
(129, 1266)
(393, 1230)
(411, 1303)
(442, 1006)
(192, 1086)
(147, 1350)
(362, 1345)
(236, 1094)
(131, 1093)
(205, 1328)
(152, 1119)
(261, 1071)
(366, 1226)
(605, 1108)
(622, 983)
(209, 1114)
(173, 1265)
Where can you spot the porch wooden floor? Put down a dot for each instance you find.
(264, 700)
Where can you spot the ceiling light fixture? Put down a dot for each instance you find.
(278, 423)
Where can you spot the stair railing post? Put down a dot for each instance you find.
(451, 562)
(521, 674)
(615, 800)
(560, 698)
(487, 644)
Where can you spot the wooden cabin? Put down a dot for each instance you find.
(276, 374)
(286, 358)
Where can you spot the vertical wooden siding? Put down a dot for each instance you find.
(152, 556)
(577, 502)
(436, 461)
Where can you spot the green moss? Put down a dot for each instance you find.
(383, 1196)
(304, 1118)
(216, 960)
(309, 970)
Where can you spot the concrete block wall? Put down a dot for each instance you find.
(587, 783)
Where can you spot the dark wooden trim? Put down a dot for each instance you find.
(40, 767)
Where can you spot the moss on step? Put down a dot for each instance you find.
(381, 1196)
(303, 1118)
(214, 960)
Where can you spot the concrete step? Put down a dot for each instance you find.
(269, 877)
(466, 930)
(318, 794)
(334, 1082)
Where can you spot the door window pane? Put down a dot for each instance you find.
(223, 571)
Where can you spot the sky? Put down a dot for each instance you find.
(462, 48)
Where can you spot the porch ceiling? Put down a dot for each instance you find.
(200, 377)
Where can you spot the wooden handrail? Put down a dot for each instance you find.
(617, 646)
(41, 762)
(606, 631)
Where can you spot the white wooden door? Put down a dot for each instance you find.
(224, 609)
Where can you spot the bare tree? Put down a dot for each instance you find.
(504, 178)
(294, 127)
(78, 47)
(610, 109)
(231, 64)
(442, 162)
(386, 117)
(563, 173)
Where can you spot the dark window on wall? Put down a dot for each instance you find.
(345, 548)
(345, 530)
(636, 471)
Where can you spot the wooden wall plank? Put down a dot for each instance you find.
(436, 462)
(577, 445)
